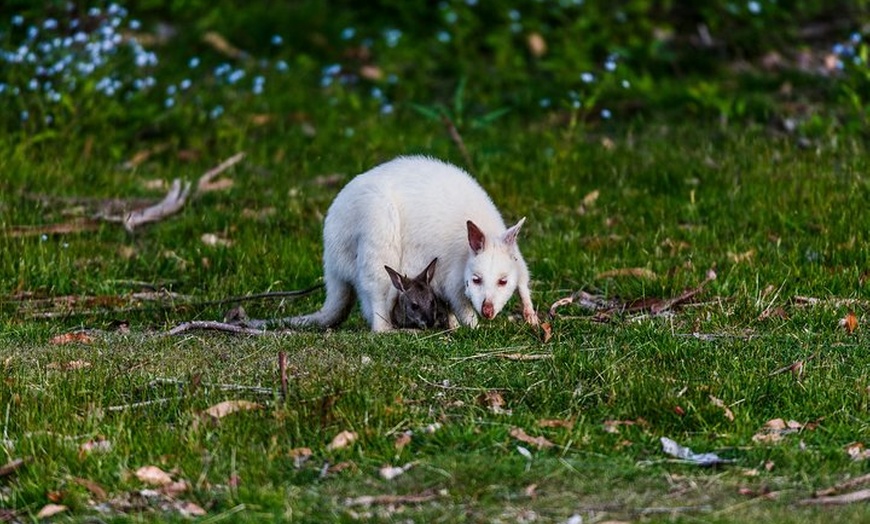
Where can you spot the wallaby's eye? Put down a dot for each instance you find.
(476, 280)
(502, 282)
(414, 306)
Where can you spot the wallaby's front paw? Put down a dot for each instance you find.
(531, 317)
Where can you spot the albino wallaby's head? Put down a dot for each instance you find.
(417, 305)
(491, 272)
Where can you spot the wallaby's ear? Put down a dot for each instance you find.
(476, 238)
(429, 272)
(510, 236)
(398, 281)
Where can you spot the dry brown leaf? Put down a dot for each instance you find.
(341, 466)
(777, 312)
(402, 440)
(537, 45)
(539, 442)
(547, 332)
(493, 401)
(556, 423)
(50, 510)
(262, 119)
(391, 472)
(175, 488)
(849, 322)
(153, 476)
(142, 156)
(638, 272)
(213, 240)
(720, 404)
(300, 456)
(72, 365)
(610, 426)
(222, 45)
(370, 72)
(69, 338)
(99, 444)
(591, 197)
(155, 184)
(229, 407)
(96, 490)
(857, 451)
(189, 509)
(342, 440)
(738, 258)
(12, 466)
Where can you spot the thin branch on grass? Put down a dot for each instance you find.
(124, 407)
(174, 200)
(655, 306)
(515, 355)
(450, 387)
(852, 483)
(282, 369)
(171, 204)
(837, 500)
(372, 500)
(795, 367)
(75, 226)
(213, 325)
(206, 181)
(833, 301)
(223, 387)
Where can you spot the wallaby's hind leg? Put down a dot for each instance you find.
(375, 292)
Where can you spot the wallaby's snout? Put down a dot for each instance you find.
(488, 310)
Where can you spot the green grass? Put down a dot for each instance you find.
(677, 197)
(802, 212)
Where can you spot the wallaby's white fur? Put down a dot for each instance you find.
(403, 214)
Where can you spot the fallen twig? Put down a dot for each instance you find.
(833, 301)
(223, 387)
(282, 369)
(74, 226)
(171, 204)
(144, 403)
(655, 306)
(666, 305)
(219, 326)
(836, 500)
(857, 481)
(206, 183)
(371, 500)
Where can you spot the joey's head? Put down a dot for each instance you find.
(417, 305)
(492, 270)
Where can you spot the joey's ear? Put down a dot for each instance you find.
(510, 236)
(398, 281)
(429, 272)
(476, 238)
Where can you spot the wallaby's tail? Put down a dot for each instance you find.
(336, 308)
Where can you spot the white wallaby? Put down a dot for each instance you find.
(404, 213)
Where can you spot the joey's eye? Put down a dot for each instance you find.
(502, 282)
(414, 306)
(476, 280)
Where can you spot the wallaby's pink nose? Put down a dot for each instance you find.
(487, 310)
